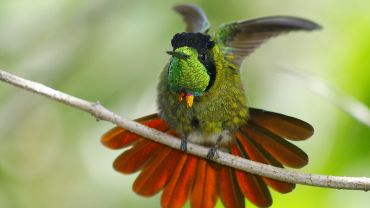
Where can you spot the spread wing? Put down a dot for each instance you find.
(239, 39)
(194, 17)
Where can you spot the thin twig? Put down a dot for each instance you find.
(101, 113)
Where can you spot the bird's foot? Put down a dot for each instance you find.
(184, 144)
(212, 153)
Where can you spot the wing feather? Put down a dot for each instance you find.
(194, 18)
(239, 39)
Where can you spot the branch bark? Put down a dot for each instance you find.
(101, 113)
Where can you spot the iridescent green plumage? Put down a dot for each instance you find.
(187, 72)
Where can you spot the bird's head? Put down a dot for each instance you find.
(191, 71)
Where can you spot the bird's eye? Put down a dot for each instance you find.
(202, 57)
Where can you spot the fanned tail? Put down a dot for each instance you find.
(182, 176)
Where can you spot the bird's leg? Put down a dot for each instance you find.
(213, 151)
(184, 143)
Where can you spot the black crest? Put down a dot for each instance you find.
(199, 41)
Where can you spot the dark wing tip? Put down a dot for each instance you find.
(289, 22)
(301, 23)
(181, 7)
(194, 17)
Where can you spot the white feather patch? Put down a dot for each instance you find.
(198, 137)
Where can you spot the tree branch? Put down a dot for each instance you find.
(101, 113)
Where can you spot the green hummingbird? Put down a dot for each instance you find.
(201, 100)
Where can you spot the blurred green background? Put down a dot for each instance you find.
(112, 51)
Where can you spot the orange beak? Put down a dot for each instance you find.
(189, 98)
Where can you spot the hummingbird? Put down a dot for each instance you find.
(201, 100)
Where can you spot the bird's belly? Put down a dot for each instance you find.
(206, 121)
(199, 137)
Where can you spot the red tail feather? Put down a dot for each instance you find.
(142, 152)
(258, 154)
(203, 193)
(118, 138)
(228, 190)
(284, 151)
(176, 192)
(158, 172)
(251, 185)
(282, 125)
(150, 180)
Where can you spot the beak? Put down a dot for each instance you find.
(178, 55)
(189, 98)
